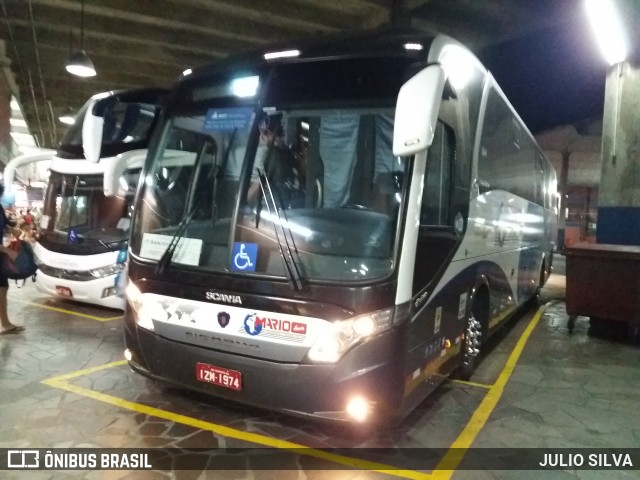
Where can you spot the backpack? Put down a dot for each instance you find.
(24, 266)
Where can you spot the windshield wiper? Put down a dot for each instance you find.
(290, 267)
(73, 206)
(167, 255)
(107, 245)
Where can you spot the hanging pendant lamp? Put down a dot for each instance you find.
(79, 62)
(68, 117)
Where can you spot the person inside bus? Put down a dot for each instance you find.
(276, 160)
(6, 327)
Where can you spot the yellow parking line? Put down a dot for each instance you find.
(62, 383)
(81, 373)
(450, 461)
(454, 455)
(472, 384)
(70, 312)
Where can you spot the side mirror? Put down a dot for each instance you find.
(115, 169)
(92, 128)
(417, 110)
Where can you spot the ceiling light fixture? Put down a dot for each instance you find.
(68, 118)
(413, 46)
(608, 29)
(281, 54)
(79, 62)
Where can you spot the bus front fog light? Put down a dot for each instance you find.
(358, 409)
(128, 355)
(108, 292)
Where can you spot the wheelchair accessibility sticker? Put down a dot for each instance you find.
(72, 236)
(244, 257)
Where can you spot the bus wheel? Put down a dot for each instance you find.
(471, 345)
(542, 279)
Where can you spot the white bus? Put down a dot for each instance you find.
(349, 223)
(89, 194)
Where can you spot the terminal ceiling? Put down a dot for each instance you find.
(149, 43)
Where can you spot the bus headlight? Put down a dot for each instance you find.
(140, 307)
(107, 271)
(344, 334)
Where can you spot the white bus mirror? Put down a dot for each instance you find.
(92, 134)
(115, 169)
(417, 110)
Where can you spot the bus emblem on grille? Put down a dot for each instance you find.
(223, 297)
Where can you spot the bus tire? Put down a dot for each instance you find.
(473, 332)
(542, 279)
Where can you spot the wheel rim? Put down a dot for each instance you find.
(472, 340)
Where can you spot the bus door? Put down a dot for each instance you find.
(435, 319)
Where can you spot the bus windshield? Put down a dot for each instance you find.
(127, 126)
(77, 211)
(302, 187)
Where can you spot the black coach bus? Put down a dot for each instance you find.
(331, 231)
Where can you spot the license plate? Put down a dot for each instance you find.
(222, 377)
(64, 291)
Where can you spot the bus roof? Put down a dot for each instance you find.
(374, 43)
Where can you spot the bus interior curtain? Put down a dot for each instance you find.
(338, 149)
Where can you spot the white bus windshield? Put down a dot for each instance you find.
(127, 126)
(77, 211)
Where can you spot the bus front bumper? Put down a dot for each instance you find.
(100, 291)
(371, 374)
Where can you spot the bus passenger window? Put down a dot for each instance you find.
(507, 154)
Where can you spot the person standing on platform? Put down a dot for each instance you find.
(6, 327)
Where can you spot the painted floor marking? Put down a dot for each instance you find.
(479, 418)
(62, 383)
(472, 384)
(452, 458)
(69, 312)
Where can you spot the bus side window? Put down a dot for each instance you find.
(436, 239)
(436, 194)
(507, 155)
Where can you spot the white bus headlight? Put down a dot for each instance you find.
(344, 334)
(140, 306)
(107, 271)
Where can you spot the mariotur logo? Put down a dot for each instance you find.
(254, 324)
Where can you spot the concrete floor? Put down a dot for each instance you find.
(537, 386)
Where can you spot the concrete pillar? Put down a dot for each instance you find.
(5, 108)
(619, 196)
